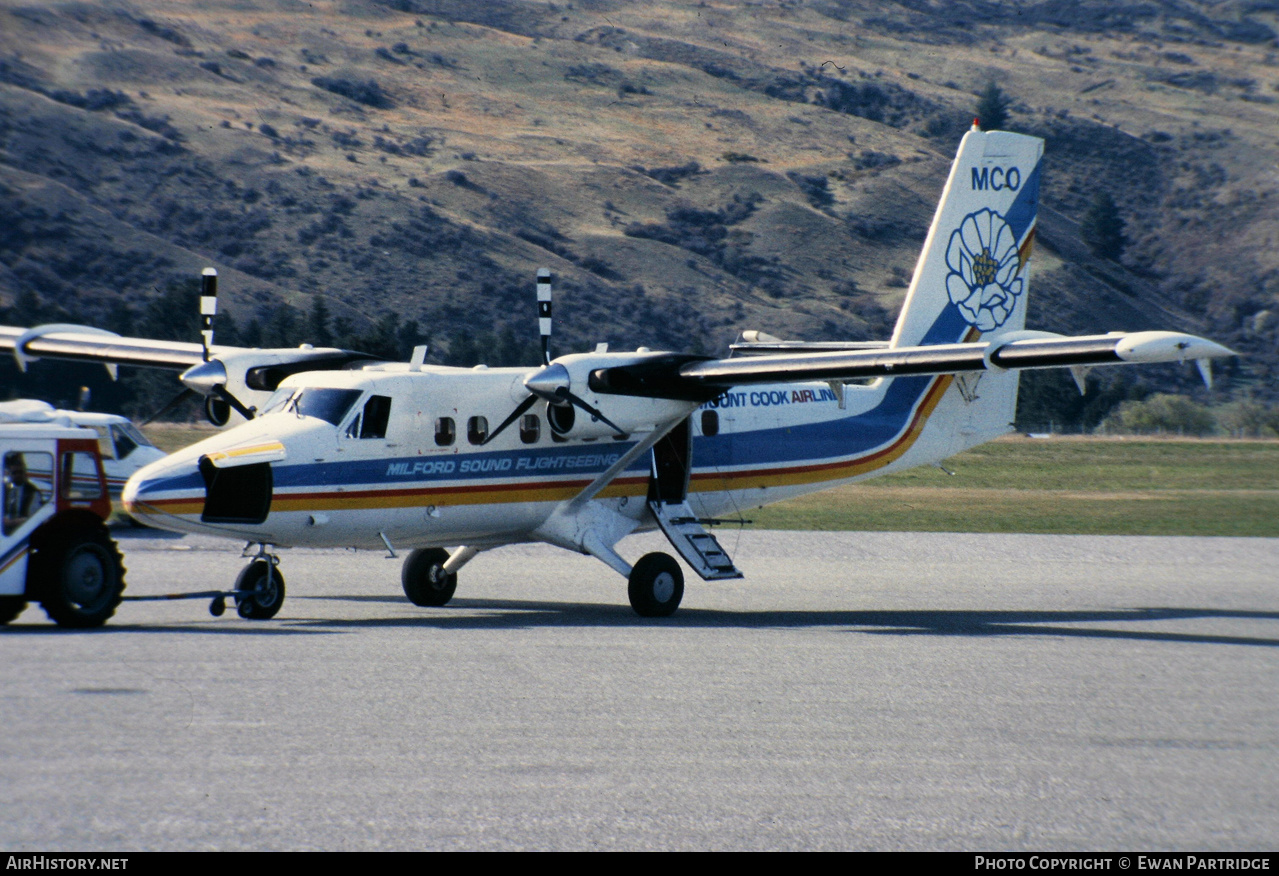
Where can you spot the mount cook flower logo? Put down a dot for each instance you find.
(984, 281)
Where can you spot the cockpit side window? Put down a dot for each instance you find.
(124, 445)
(373, 419)
(377, 416)
(105, 447)
(135, 435)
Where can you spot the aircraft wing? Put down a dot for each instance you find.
(687, 377)
(77, 343)
(230, 378)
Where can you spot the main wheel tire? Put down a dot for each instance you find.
(424, 580)
(257, 595)
(79, 577)
(10, 607)
(656, 585)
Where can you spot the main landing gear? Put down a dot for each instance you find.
(429, 577)
(424, 579)
(656, 585)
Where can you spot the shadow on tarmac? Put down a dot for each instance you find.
(518, 614)
(499, 614)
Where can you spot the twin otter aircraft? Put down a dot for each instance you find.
(446, 462)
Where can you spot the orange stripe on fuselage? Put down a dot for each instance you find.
(834, 471)
(482, 494)
(830, 471)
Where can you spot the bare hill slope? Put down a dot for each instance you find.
(687, 169)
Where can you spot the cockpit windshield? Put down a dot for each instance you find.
(136, 436)
(326, 404)
(277, 401)
(331, 405)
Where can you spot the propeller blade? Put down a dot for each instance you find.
(170, 405)
(221, 392)
(581, 403)
(519, 411)
(208, 307)
(544, 312)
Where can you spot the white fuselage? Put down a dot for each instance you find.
(415, 488)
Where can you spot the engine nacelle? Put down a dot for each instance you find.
(573, 408)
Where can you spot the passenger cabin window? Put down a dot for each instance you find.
(372, 421)
(477, 429)
(445, 431)
(710, 423)
(530, 428)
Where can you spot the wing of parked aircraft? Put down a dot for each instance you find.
(229, 378)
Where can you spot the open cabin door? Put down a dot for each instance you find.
(672, 465)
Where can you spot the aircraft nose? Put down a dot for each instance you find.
(160, 489)
(137, 490)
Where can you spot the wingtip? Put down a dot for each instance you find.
(1169, 347)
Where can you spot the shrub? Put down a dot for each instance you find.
(367, 92)
(1162, 413)
(1103, 228)
(992, 108)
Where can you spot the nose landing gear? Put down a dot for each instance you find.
(259, 590)
(258, 593)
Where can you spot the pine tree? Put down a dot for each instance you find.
(1103, 228)
(317, 323)
(992, 108)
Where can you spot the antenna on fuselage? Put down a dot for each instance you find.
(544, 312)
(208, 307)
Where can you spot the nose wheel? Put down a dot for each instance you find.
(259, 590)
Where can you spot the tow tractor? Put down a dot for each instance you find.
(54, 545)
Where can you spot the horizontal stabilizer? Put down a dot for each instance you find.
(760, 348)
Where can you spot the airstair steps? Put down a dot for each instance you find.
(700, 549)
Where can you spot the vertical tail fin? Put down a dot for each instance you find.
(972, 276)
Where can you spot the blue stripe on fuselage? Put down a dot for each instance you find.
(815, 442)
(800, 443)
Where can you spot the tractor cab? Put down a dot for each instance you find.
(54, 544)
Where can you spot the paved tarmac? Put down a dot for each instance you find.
(855, 691)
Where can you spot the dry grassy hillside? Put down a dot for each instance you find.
(687, 169)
